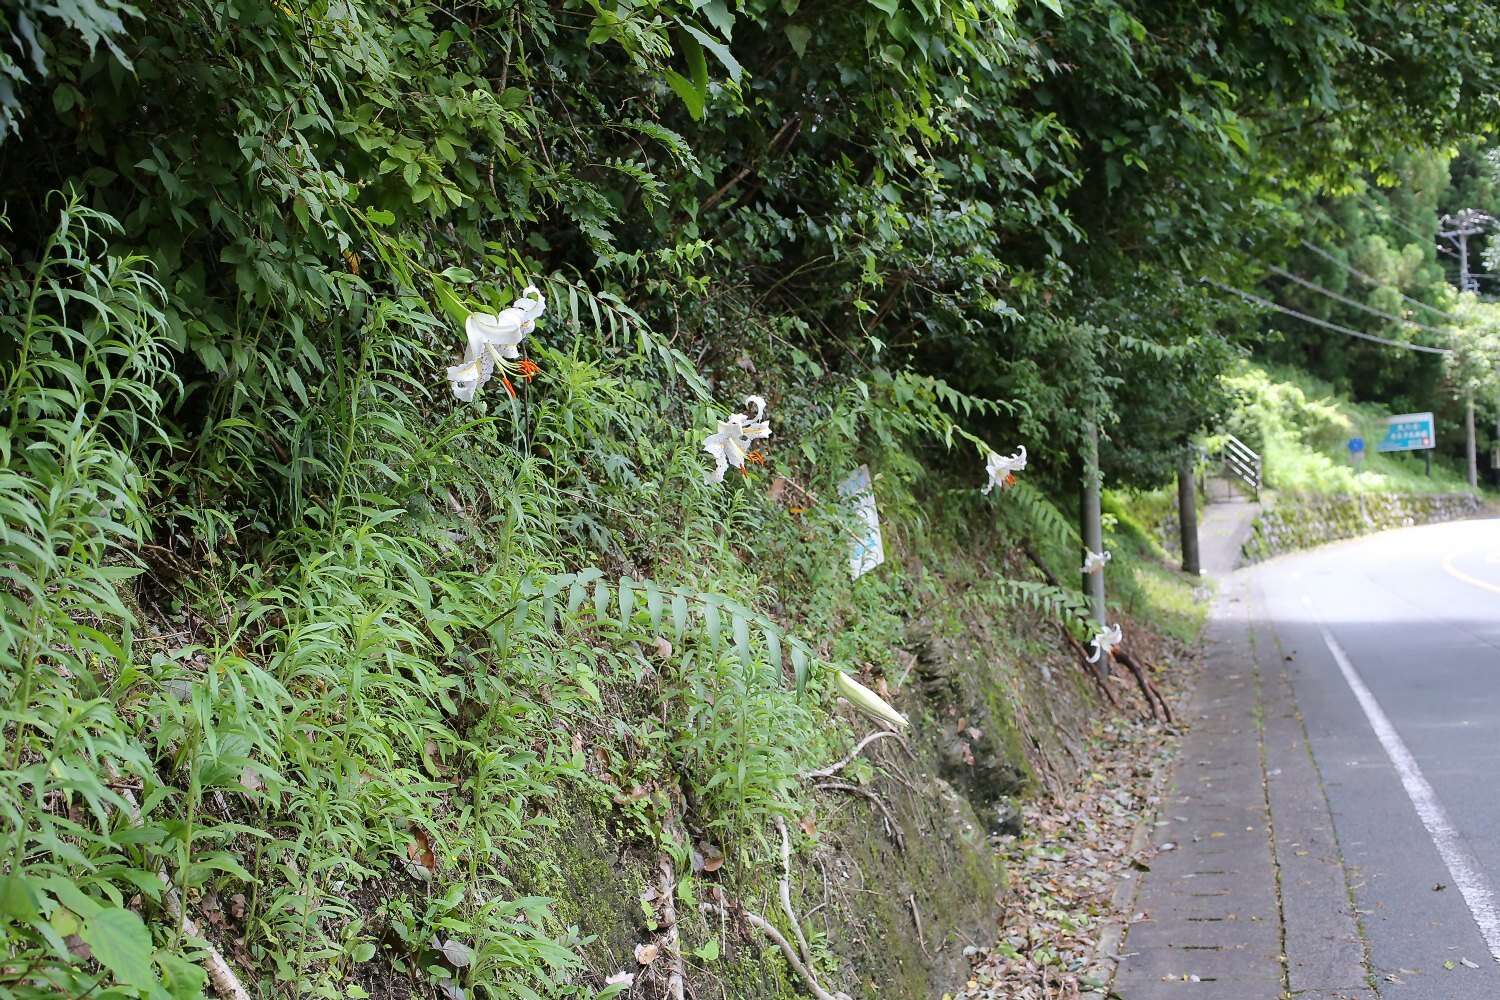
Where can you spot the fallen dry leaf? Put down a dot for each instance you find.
(419, 851)
(646, 953)
(1064, 868)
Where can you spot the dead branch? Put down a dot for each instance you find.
(916, 918)
(225, 982)
(831, 770)
(794, 122)
(892, 828)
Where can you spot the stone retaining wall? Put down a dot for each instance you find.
(1301, 522)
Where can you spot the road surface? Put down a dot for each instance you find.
(1334, 826)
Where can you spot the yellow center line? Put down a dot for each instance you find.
(1460, 575)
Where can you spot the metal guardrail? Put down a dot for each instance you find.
(1241, 462)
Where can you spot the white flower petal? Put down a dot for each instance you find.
(759, 402)
(1108, 638)
(1000, 467)
(1094, 562)
(531, 302)
(491, 327)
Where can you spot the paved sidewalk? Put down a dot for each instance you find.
(1247, 897)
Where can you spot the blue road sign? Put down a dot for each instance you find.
(1408, 432)
(1356, 445)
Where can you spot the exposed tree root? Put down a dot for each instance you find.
(671, 940)
(785, 891)
(892, 828)
(788, 952)
(832, 769)
(1148, 690)
(1088, 668)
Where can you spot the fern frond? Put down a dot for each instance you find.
(695, 613)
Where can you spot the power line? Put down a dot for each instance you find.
(1354, 303)
(1268, 304)
(1403, 224)
(1376, 282)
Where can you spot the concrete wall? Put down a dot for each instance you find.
(1300, 522)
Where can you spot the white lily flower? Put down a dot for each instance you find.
(1002, 469)
(621, 978)
(1108, 638)
(1093, 562)
(868, 702)
(731, 444)
(492, 337)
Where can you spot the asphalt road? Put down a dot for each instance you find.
(1331, 830)
(1394, 647)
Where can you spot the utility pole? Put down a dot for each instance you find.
(1469, 222)
(1187, 512)
(1093, 529)
(1471, 450)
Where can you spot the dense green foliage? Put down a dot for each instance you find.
(287, 624)
(1301, 426)
(1369, 258)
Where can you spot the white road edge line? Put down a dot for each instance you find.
(1462, 866)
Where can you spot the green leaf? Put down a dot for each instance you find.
(1055, 6)
(18, 899)
(627, 602)
(799, 665)
(64, 98)
(185, 981)
(683, 88)
(741, 630)
(380, 216)
(708, 951)
(601, 601)
(711, 624)
(798, 35)
(122, 944)
(719, 49)
(697, 64)
(653, 603)
(679, 616)
(773, 648)
(720, 16)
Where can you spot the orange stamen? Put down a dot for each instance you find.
(529, 369)
(510, 389)
(756, 457)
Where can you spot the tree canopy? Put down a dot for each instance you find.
(995, 193)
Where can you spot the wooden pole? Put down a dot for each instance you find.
(1187, 512)
(1093, 531)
